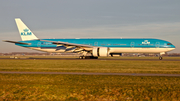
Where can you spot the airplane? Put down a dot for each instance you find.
(96, 47)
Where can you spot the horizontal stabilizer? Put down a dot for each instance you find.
(17, 42)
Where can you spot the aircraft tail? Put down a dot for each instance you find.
(24, 31)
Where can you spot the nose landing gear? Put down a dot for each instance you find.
(160, 58)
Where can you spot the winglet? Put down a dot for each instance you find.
(24, 31)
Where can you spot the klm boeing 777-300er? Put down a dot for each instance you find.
(96, 47)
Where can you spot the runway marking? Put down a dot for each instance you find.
(79, 73)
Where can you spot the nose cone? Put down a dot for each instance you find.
(170, 49)
(169, 46)
(173, 46)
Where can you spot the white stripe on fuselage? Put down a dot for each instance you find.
(117, 50)
(140, 50)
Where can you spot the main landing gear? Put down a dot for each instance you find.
(87, 57)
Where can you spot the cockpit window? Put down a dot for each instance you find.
(169, 44)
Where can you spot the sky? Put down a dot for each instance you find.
(90, 19)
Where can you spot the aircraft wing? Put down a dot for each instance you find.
(66, 44)
(17, 42)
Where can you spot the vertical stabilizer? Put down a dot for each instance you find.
(24, 31)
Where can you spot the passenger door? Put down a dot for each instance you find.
(132, 44)
(39, 44)
(157, 44)
(95, 43)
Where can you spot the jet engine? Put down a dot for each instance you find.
(100, 51)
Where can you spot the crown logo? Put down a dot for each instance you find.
(145, 42)
(26, 33)
(26, 30)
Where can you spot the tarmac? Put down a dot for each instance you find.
(82, 73)
(92, 59)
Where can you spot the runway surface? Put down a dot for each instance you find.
(91, 59)
(79, 73)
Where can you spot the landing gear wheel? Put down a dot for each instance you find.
(87, 57)
(90, 57)
(81, 57)
(160, 58)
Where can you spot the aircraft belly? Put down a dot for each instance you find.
(139, 50)
(115, 50)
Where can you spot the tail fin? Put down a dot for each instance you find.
(24, 31)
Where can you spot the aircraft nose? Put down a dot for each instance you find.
(173, 46)
(170, 45)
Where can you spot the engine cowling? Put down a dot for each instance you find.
(100, 51)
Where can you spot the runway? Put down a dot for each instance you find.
(91, 59)
(81, 73)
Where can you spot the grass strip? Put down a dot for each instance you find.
(105, 66)
(84, 87)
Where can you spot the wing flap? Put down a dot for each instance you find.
(68, 44)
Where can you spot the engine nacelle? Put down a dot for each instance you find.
(100, 51)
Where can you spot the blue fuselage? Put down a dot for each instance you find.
(121, 43)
